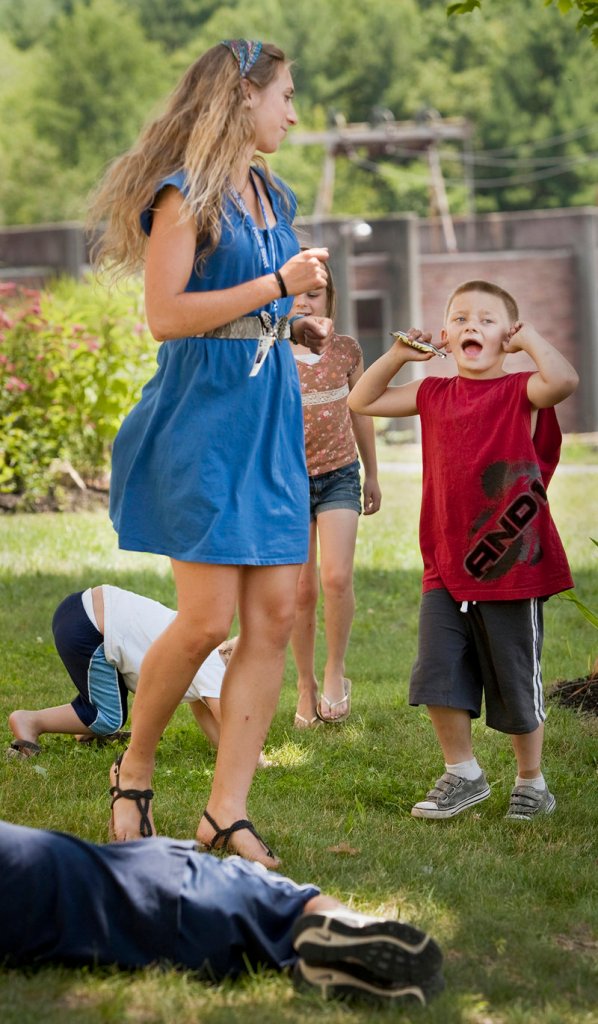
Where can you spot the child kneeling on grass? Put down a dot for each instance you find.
(491, 552)
(102, 636)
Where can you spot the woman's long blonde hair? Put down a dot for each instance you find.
(205, 125)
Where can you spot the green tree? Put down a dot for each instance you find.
(99, 76)
(82, 100)
(587, 10)
(172, 24)
(27, 21)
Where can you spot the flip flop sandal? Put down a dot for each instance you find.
(334, 704)
(141, 798)
(305, 723)
(18, 747)
(222, 836)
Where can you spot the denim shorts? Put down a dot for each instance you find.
(340, 488)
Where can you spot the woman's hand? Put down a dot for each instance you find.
(305, 271)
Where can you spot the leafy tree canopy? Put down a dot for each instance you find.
(587, 9)
(79, 77)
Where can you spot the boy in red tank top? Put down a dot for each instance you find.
(491, 552)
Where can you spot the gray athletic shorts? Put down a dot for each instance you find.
(491, 649)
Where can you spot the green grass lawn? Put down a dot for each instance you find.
(513, 905)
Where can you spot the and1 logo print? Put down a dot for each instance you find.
(505, 533)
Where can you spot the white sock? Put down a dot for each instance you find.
(539, 783)
(465, 769)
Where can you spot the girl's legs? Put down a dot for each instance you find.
(337, 530)
(206, 601)
(303, 637)
(249, 697)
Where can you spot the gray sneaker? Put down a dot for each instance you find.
(451, 795)
(526, 803)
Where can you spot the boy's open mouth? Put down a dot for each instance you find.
(471, 347)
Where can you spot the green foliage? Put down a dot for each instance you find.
(174, 23)
(72, 362)
(26, 22)
(81, 98)
(570, 595)
(79, 77)
(588, 10)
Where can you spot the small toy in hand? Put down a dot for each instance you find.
(421, 346)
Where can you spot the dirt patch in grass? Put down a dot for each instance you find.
(581, 694)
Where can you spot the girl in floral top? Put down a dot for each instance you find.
(333, 436)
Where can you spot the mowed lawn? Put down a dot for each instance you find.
(513, 904)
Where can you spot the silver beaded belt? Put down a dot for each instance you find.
(250, 328)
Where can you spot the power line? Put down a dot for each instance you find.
(576, 133)
(505, 182)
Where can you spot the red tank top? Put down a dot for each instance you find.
(486, 532)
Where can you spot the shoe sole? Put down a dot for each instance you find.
(531, 817)
(428, 812)
(389, 950)
(335, 982)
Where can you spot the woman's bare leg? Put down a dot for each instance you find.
(337, 531)
(249, 697)
(206, 598)
(303, 636)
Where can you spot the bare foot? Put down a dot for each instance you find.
(23, 726)
(131, 816)
(243, 842)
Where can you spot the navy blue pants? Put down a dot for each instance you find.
(101, 703)
(132, 904)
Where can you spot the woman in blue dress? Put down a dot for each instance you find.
(209, 467)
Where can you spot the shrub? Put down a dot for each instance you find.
(73, 360)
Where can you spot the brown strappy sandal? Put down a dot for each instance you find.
(141, 797)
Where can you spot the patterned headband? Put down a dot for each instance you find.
(245, 52)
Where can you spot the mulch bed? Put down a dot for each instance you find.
(68, 501)
(581, 694)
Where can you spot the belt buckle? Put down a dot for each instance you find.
(267, 338)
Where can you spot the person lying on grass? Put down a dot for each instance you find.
(133, 904)
(491, 551)
(102, 635)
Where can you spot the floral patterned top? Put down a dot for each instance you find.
(329, 439)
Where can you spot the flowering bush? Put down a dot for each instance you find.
(73, 360)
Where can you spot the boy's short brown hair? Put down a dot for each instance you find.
(491, 289)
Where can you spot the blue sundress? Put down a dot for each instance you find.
(209, 466)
